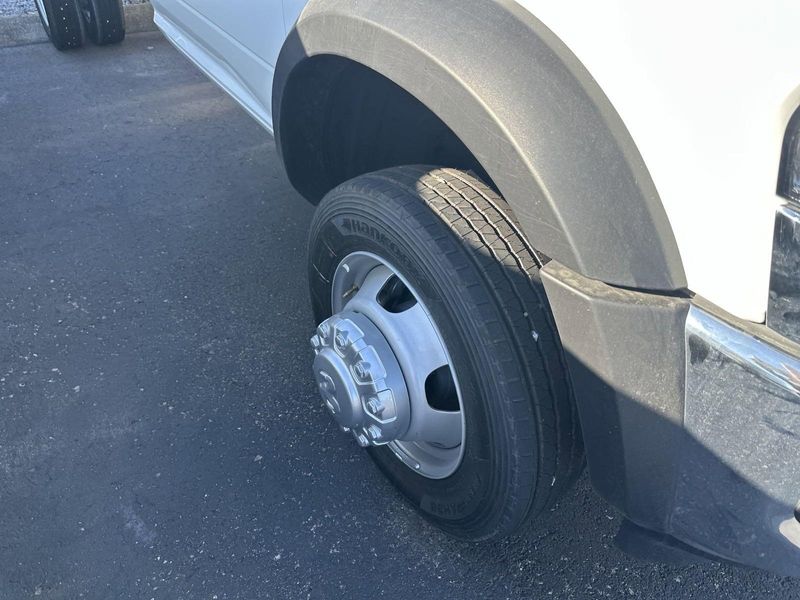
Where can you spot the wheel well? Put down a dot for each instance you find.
(528, 110)
(340, 119)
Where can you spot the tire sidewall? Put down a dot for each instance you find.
(457, 502)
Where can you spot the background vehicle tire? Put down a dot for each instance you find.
(105, 21)
(61, 20)
(453, 239)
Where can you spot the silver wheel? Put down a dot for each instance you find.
(384, 371)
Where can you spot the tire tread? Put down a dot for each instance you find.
(499, 269)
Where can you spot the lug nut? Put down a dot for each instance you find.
(315, 342)
(375, 407)
(362, 370)
(362, 440)
(341, 339)
(375, 432)
(323, 330)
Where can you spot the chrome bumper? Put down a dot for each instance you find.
(690, 417)
(739, 480)
(783, 311)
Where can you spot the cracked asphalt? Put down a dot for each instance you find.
(160, 436)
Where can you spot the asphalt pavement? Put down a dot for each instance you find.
(160, 434)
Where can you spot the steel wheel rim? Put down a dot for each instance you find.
(432, 458)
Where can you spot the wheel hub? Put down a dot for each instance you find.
(360, 380)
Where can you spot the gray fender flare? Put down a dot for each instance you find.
(526, 108)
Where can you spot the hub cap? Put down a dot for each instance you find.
(359, 379)
(383, 370)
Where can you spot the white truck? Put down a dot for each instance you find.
(548, 233)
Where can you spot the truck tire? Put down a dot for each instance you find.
(105, 21)
(454, 247)
(61, 20)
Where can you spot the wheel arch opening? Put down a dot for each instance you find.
(340, 119)
(360, 87)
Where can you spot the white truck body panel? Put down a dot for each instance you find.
(235, 43)
(705, 89)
